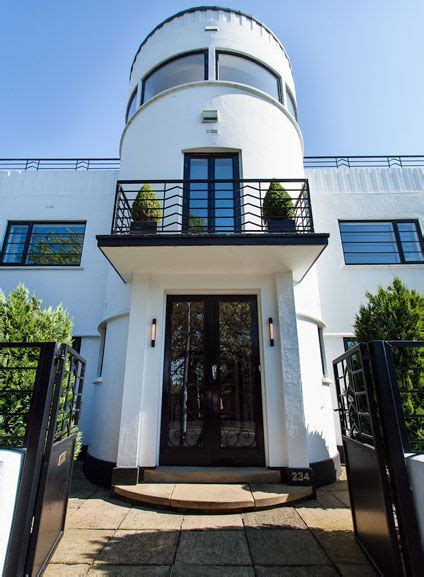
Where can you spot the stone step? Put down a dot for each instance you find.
(213, 498)
(212, 475)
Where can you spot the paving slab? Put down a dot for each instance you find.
(356, 570)
(140, 548)
(213, 548)
(269, 495)
(309, 571)
(327, 519)
(212, 571)
(211, 522)
(131, 571)
(56, 570)
(81, 545)
(211, 497)
(97, 517)
(154, 493)
(340, 546)
(143, 518)
(343, 496)
(338, 486)
(104, 498)
(324, 500)
(288, 547)
(281, 518)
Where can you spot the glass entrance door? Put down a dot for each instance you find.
(211, 206)
(212, 409)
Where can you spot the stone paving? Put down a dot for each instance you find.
(106, 536)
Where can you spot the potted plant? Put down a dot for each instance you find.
(278, 211)
(146, 211)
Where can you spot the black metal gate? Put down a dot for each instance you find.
(41, 388)
(380, 392)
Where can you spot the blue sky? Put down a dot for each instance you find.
(358, 68)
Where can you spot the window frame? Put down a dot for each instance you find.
(205, 53)
(289, 96)
(255, 61)
(27, 243)
(346, 341)
(322, 352)
(134, 94)
(398, 241)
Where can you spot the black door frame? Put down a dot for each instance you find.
(211, 156)
(212, 454)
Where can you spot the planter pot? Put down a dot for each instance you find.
(281, 225)
(143, 227)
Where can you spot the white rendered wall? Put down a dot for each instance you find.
(359, 194)
(10, 473)
(415, 465)
(65, 195)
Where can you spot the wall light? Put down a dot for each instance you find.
(271, 331)
(153, 333)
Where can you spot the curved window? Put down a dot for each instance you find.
(180, 70)
(290, 103)
(132, 106)
(241, 69)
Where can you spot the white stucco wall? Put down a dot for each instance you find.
(10, 472)
(415, 465)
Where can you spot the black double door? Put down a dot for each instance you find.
(212, 409)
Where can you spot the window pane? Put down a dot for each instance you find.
(291, 106)
(56, 244)
(411, 245)
(132, 105)
(190, 68)
(369, 243)
(239, 69)
(15, 243)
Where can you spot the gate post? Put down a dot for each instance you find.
(383, 370)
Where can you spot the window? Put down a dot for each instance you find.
(322, 352)
(76, 344)
(132, 106)
(101, 351)
(381, 242)
(349, 342)
(36, 243)
(180, 70)
(247, 71)
(290, 103)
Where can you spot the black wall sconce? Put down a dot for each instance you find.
(153, 333)
(271, 331)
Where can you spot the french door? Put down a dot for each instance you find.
(211, 207)
(211, 408)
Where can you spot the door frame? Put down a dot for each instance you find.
(235, 156)
(221, 456)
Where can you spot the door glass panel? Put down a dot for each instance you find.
(198, 196)
(224, 195)
(237, 399)
(187, 375)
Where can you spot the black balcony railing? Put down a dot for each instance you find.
(211, 207)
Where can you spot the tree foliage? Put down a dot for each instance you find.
(396, 313)
(22, 319)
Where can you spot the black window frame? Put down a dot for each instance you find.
(322, 351)
(205, 53)
(347, 340)
(134, 94)
(289, 96)
(27, 244)
(255, 61)
(398, 241)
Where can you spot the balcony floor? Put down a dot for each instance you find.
(184, 254)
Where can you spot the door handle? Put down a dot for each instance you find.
(214, 372)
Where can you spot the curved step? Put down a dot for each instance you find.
(213, 498)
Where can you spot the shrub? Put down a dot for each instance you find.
(392, 314)
(22, 319)
(277, 203)
(146, 206)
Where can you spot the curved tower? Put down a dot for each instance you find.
(210, 358)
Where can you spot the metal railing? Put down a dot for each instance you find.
(25, 164)
(206, 207)
(378, 161)
(391, 161)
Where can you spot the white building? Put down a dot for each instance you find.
(209, 342)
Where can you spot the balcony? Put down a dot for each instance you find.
(212, 226)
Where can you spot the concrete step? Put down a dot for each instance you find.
(213, 498)
(212, 475)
